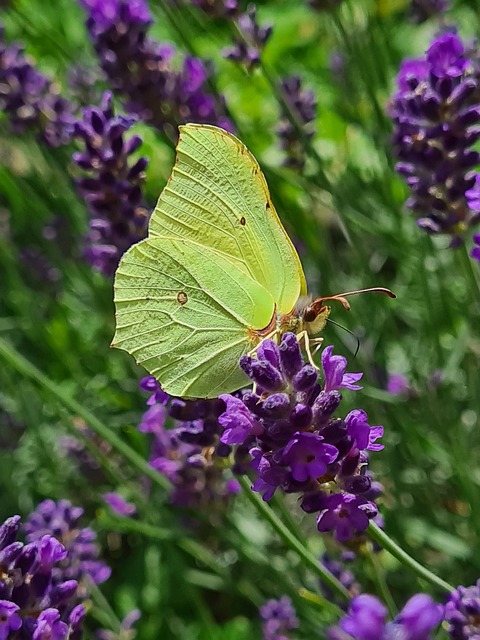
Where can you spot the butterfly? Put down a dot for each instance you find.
(216, 275)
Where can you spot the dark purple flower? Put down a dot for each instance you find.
(436, 114)
(61, 520)
(343, 575)
(303, 105)
(422, 10)
(34, 593)
(345, 514)
(334, 368)
(308, 456)
(118, 504)
(140, 69)
(237, 421)
(419, 617)
(279, 617)
(189, 452)
(49, 626)
(462, 613)
(475, 252)
(296, 443)
(9, 618)
(365, 619)
(248, 48)
(111, 186)
(30, 99)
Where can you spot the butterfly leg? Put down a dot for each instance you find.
(274, 335)
(303, 336)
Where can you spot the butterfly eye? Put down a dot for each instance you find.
(309, 314)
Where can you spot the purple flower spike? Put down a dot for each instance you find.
(248, 49)
(437, 123)
(112, 185)
(308, 456)
(346, 514)
(9, 618)
(140, 70)
(462, 613)
(303, 104)
(334, 368)
(366, 620)
(279, 617)
(30, 99)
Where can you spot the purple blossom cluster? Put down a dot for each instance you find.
(436, 112)
(279, 618)
(30, 99)
(462, 613)
(37, 600)
(140, 69)
(338, 568)
(296, 442)
(247, 48)
(366, 619)
(190, 454)
(303, 106)
(111, 186)
(422, 10)
(80, 561)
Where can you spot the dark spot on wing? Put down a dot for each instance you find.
(243, 222)
(267, 206)
(182, 297)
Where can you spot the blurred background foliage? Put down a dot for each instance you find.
(58, 313)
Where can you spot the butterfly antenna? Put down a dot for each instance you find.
(337, 324)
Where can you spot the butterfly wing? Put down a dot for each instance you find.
(186, 314)
(217, 196)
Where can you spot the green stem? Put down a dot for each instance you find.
(469, 269)
(381, 583)
(102, 603)
(387, 543)
(289, 539)
(11, 356)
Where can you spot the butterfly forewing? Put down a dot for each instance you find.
(217, 196)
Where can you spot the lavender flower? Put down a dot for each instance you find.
(437, 121)
(126, 628)
(398, 385)
(119, 505)
(112, 187)
(475, 252)
(422, 10)
(296, 442)
(61, 520)
(462, 613)
(303, 105)
(248, 48)
(343, 575)
(279, 617)
(30, 99)
(190, 454)
(139, 68)
(34, 604)
(366, 620)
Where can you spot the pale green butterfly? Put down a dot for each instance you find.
(216, 275)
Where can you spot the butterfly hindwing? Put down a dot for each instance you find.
(186, 314)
